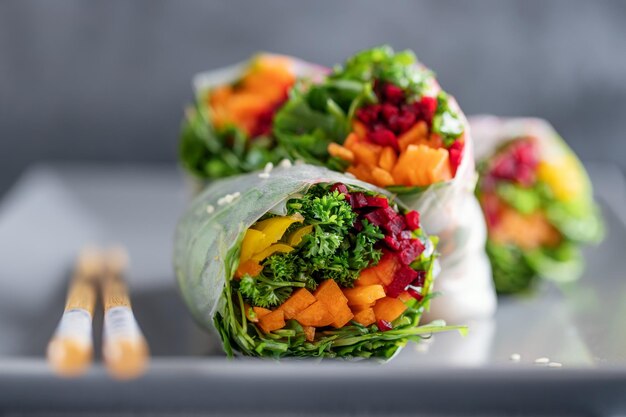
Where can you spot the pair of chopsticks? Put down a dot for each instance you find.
(125, 351)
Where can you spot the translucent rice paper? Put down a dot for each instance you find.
(492, 131)
(212, 227)
(451, 211)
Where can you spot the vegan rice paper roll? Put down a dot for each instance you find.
(229, 129)
(537, 200)
(306, 262)
(383, 118)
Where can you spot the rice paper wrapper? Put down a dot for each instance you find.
(213, 226)
(492, 132)
(451, 211)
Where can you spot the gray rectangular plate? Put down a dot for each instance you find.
(52, 211)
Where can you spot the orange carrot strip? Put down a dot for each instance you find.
(367, 277)
(272, 321)
(298, 301)
(351, 140)
(388, 158)
(389, 309)
(250, 267)
(316, 315)
(365, 317)
(360, 129)
(340, 152)
(381, 177)
(364, 295)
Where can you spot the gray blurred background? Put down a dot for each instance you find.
(107, 81)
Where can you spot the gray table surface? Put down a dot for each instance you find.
(53, 210)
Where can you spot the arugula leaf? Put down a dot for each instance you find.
(563, 263)
(208, 153)
(511, 272)
(447, 122)
(382, 63)
(525, 200)
(307, 124)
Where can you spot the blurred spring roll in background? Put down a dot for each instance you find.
(306, 262)
(383, 117)
(229, 130)
(537, 201)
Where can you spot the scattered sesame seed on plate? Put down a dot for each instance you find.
(264, 175)
(542, 361)
(210, 209)
(555, 365)
(285, 163)
(515, 357)
(268, 167)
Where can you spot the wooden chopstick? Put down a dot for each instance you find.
(125, 349)
(70, 350)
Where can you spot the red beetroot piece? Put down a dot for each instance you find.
(392, 243)
(392, 93)
(340, 187)
(412, 220)
(456, 155)
(425, 108)
(410, 250)
(395, 225)
(384, 325)
(369, 114)
(402, 122)
(518, 163)
(383, 137)
(414, 293)
(375, 218)
(420, 280)
(358, 200)
(405, 234)
(401, 279)
(377, 202)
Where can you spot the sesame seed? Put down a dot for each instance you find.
(285, 163)
(228, 198)
(542, 361)
(422, 347)
(555, 365)
(210, 209)
(516, 357)
(268, 167)
(264, 175)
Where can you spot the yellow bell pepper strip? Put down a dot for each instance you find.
(296, 237)
(563, 176)
(275, 228)
(278, 247)
(252, 243)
